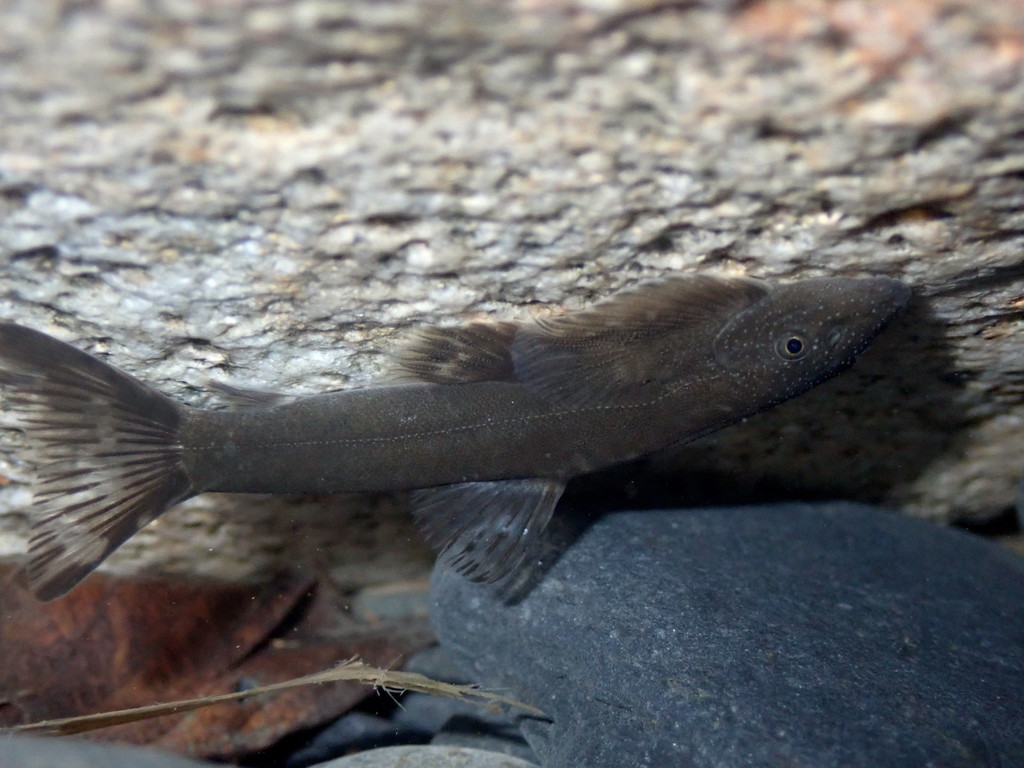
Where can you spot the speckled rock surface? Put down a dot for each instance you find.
(797, 635)
(427, 757)
(273, 193)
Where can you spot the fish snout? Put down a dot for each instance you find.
(863, 307)
(864, 303)
(890, 295)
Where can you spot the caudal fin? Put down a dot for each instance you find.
(106, 452)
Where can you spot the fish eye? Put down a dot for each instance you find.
(792, 346)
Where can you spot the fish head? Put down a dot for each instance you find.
(800, 334)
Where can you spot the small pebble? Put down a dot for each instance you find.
(428, 757)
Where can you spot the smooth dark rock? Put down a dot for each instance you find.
(457, 723)
(484, 730)
(797, 635)
(353, 732)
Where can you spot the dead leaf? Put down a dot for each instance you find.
(114, 644)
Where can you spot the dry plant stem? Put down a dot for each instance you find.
(352, 669)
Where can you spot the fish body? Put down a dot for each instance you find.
(486, 426)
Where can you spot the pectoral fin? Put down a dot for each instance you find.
(486, 530)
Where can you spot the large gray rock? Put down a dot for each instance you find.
(274, 193)
(799, 635)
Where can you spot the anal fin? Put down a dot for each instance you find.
(486, 530)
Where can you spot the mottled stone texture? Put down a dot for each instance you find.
(272, 192)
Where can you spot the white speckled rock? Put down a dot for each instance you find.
(273, 194)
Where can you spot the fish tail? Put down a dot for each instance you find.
(106, 449)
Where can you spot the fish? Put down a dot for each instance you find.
(483, 423)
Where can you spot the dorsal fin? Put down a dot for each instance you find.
(626, 346)
(478, 351)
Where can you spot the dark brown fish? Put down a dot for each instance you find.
(493, 422)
